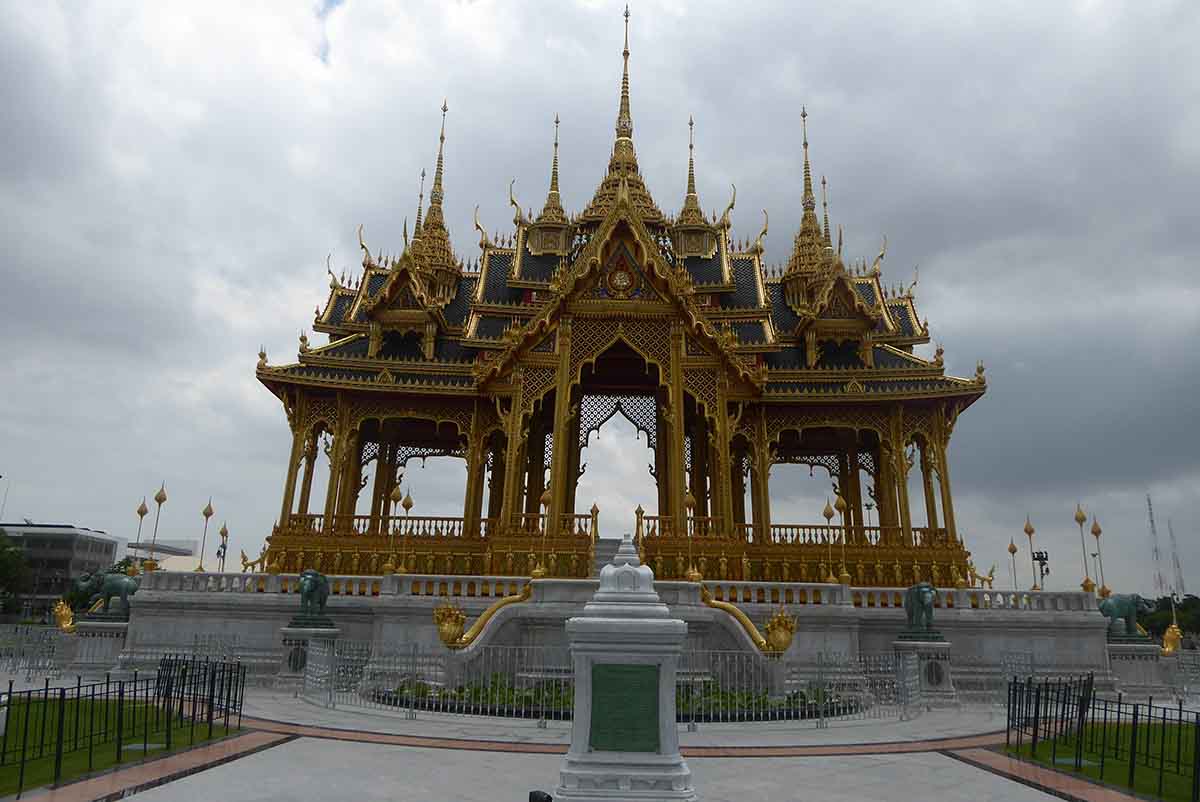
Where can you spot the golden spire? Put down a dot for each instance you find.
(691, 214)
(553, 212)
(420, 203)
(810, 242)
(624, 118)
(622, 166)
(825, 209)
(435, 239)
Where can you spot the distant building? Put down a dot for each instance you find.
(57, 554)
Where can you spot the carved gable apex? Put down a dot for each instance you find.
(838, 306)
(621, 257)
(404, 292)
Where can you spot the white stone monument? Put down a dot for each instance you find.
(625, 648)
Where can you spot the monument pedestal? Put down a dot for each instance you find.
(1137, 665)
(101, 639)
(625, 648)
(297, 641)
(934, 678)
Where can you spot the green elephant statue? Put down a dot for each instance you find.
(918, 606)
(1125, 607)
(103, 586)
(314, 592)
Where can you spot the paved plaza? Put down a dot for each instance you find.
(291, 746)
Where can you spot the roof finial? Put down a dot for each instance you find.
(435, 195)
(552, 211)
(624, 118)
(420, 203)
(691, 160)
(809, 201)
(554, 164)
(825, 207)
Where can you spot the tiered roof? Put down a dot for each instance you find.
(424, 321)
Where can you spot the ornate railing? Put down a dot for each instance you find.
(583, 525)
(665, 527)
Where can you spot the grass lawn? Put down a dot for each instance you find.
(142, 723)
(1171, 749)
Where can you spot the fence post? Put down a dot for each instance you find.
(24, 740)
(91, 722)
(58, 746)
(1133, 746)
(212, 689)
(8, 698)
(170, 696)
(45, 712)
(1195, 755)
(1037, 709)
(1162, 750)
(1103, 740)
(120, 717)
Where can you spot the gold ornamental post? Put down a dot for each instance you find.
(224, 533)
(1029, 530)
(840, 506)
(689, 501)
(407, 504)
(1104, 589)
(142, 510)
(160, 498)
(1081, 518)
(389, 566)
(539, 570)
(1012, 553)
(828, 513)
(207, 512)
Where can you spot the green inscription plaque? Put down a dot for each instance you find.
(624, 708)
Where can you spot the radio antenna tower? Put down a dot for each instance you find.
(1160, 586)
(1179, 588)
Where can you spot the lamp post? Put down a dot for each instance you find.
(1042, 558)
(1080, 518)
(207, 513)
(828, 515)
(840, 506)
(160, 498)
(223, 548)
(1104, 590)
(142, 510)
(689, 502)
(1012, 555)
(870, 505)
(1029, 530)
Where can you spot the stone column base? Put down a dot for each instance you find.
(295, 653)
(99, 647)
(1138, 668)
(933, 669)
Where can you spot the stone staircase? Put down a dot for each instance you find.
(606, 549)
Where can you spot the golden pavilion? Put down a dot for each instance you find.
(727, 368)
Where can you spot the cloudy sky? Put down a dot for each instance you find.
(173, 175)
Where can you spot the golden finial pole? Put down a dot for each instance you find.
(1087, 584)
(689, 502)
(141, 511)
(207, 512)
(1029, 530)
(539, 571)
(841, 506)
(160, 498)
(1096, 530)
(224, 533)
(828, 514)
(1012, 553)
(389, 567)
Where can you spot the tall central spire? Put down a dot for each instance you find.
(624, 118)
(623, 166)
(552, 211)
(691, 214)
(808, 247)
(435, 239)
(435, 195)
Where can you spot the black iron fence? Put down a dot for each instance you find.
(1153, 749)
(51, 733)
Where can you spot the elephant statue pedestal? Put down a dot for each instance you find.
(98, 647)
(1139, 668)
(300, 646)
(933, 683)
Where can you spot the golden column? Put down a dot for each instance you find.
(689, 501)
(1029, 530)
(1080, 518)
(1104, 590)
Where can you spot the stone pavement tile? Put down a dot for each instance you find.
(1041, 777)
(117, 784)
(369, 772)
